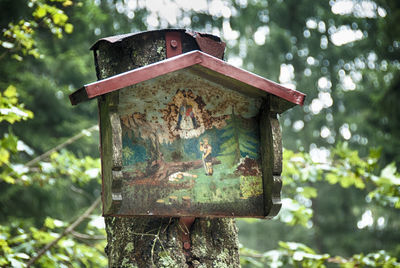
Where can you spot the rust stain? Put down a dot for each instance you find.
(209, 44)
(248, 167)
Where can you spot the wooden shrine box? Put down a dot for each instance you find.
(190, 135)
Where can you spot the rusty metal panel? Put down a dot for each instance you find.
(190, 147)
(122, 37)
(209, 44)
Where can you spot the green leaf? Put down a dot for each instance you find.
(49, 223)
(359, 183)
(40, 12)
(17, 57)
(8, 179)
(68, 28)
(4, 156)
(10, 92)
(59, 18)
(331, 178)
(309, 192)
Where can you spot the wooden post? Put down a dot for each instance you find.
(152, 241)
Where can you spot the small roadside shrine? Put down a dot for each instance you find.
(189, 135)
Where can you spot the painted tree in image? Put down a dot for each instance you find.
(240, 139)
(155, 129)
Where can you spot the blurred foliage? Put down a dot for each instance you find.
(343, 167)
(12, 111)
(299, 255)
(19, 243)
(300, 174)
(339, 195)
(18, 38)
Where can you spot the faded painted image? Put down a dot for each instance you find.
(190, 147)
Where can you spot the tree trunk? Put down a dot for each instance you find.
(156, 242)
(151, 241)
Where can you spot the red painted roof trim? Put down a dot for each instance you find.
(186, 60)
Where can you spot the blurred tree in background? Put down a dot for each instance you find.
(341, 187)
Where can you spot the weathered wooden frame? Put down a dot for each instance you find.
(111, 147)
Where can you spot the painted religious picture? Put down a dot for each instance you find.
(190, 147)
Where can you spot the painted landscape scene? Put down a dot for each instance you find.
(190, 151)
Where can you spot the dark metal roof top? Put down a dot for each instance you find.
(120, 38)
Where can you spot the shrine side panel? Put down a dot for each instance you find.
(190, 147)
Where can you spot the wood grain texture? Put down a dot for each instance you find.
(272, 184)
(106, 154)
(276, 143)
(116, 141)
(276, 195)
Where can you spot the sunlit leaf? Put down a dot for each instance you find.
(68, 28)
(40, 12)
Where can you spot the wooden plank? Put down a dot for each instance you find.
(266, 149)
(277, 144)
(78, 96)
(116, 152)
(275, 197)
(279, 105)
(111, 152)
(271, 183)
(254, 80)
(105, 151)
(116, 149)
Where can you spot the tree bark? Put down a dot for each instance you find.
(151, 241)
(156, 242)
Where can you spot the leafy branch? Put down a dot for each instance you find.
(68, 230)
(300, 255)
(65, 163)
(83, 133)
(18, 38)
(344, 167)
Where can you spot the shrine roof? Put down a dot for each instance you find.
(202, 64)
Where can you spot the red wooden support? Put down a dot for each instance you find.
(173, 44)
(184, 227)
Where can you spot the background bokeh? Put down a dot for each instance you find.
(341, 187)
